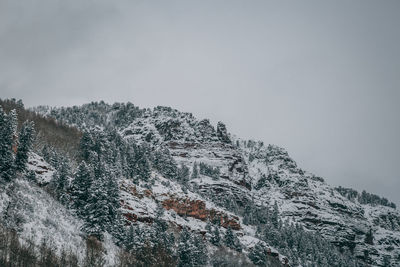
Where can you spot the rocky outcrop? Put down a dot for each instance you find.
(197, 209)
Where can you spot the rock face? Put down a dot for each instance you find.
(248, 171)
(197, 209)
(307, 199)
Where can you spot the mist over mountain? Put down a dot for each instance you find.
(117, 185)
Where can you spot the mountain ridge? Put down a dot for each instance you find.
(238, 182)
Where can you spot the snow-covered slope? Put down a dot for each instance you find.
(38, 217)
(248, 171)
(307, 199)
(26, 207)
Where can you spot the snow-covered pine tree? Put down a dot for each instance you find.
(222, 133)
(7, 141)
(137, 163)
(231, 240)
(115, 221)
(369, 237)
(80, 188)
(129, 241)
(185, 249)
(192, 250)
(60, 181)
(258, 254)
(248, 214)
(31, 176)
(86, 145)
(215, 236)
(200, 253)
(183, 174)
(275, 215)
(195, 171)
(26, 137)
(102, 208)
(165, 163)
(97, 210)
(208, 229)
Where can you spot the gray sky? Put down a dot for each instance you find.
(320, 78)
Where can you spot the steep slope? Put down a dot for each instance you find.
(233, 175)
(37, 217)
(25, 207)
(307, 199)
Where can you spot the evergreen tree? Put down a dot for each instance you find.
(208, 229)
(115, 225)
(231, 240)
(258, 255)
(165, 163)
(7, 141)
(96, 217)
(191, 250)
(222, 133)
(183, 174)
(275, 215)
(130, 238)
(369, 237)
(185, 249)
(216, 236)
(160, 226)
(80, 188)
(102, 208)
(248, 214)
(195, 171)
(138, 166)
(200, 253)
(86, 145)
(60, 181)
(31, 176)
(26, 137)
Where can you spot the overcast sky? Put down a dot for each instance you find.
(320, 78)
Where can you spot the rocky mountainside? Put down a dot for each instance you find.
(207, 180)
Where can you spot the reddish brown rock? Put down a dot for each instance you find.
(197, 209)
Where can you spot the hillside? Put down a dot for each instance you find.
(160, 187)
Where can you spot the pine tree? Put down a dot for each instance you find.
(183, 174)
(96, 217)
(86, 145)
(208, 229)
(115, 221)
(102, 208)
(185, 249)
(275, 215)
(369, 237)
(80, 188)
(231, 240)
(7, 141)
(142, 165)
(222, 133)
(248, 214)
(165, 164)
(258, 255)
(138, 166)
(60, 181)
(31, 176)
(216, 236)
(195, 171)
(192, 250)
(200, 253)
(26, 137)
(130, 238)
